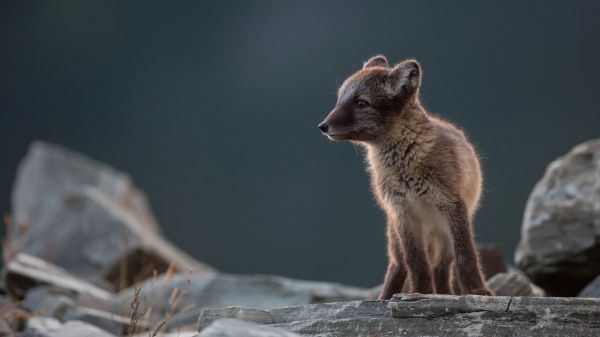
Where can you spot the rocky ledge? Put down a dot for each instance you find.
(112, 273)
(413, 315)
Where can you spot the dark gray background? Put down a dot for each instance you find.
(213, 107)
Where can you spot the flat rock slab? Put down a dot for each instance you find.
(428, 315)
(25, 272)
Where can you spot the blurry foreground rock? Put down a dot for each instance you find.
(25, 272)
(88, 218)
(423, 315)
(560, 240)
(181, 297)
(12, 316)
(50, 291)
(48, 327)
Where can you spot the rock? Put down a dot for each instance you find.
(25, 272)
(492, 259)
(48, 172)
(12, 317)
(48, 302)
(560, 239)
(181, 297)
(68, 306)
(107, 321)
(428, 315)
(40, 325)
(235, 328)
(513, 283)
(49, 327)
(89, 219)
(592, 289)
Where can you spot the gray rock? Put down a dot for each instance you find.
(513, 283)
(49, 302)
(25, 272)
(560, 239)
(429, 315)
(235, 328)
(592, 289)
(48, 172)
(67, 306)
(107, 321)
(49, 327)
(12, 317)
(89, 219)
(181, 297)
(40, 325)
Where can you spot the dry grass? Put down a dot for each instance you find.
(135, 315)
(176, 304)
(142, 318)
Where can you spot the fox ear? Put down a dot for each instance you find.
(376, 61)
(405, 78)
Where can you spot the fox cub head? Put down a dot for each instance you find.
(371, 100)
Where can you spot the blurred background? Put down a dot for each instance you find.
(212, 108)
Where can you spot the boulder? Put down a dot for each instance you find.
(49, 171)
(513, 283)
(426, 315)
(88, 218)
(592, 289)
(180, 297)
(49, 327)
(560, 238)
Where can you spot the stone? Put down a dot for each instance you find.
(427, 315)
(235, 328)
(66, 305)
(181, 296)
(25, 272)
(560, 236)
(12, 317)
(513, 283)
(41, 324)
(592, 289)
(49, 171)
(49, 327)
(49, 302)
(88, 218)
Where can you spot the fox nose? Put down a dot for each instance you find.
(324, 127)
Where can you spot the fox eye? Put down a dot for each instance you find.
(361, 104)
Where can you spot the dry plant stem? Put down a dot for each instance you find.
(156, 330)
(135, 315)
